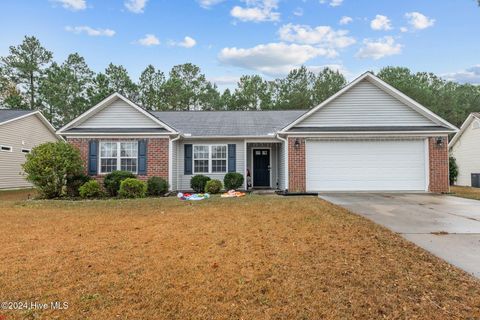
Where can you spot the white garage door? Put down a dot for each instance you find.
(369, 165)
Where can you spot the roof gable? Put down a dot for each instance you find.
(118, 112)
(8, 116)
(369, 102)
(472, 119)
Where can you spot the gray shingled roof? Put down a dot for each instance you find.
(117, 130)
(9, 114)
(228, 123)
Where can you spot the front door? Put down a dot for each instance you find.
(261, 168)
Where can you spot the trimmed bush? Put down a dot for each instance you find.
(213, 186)
(75, 182)
(157, 186)
(233, 180)
(48, 166)
(453, 170)
(113, 180)
(132, 188)
(90, 189)
(198, 182)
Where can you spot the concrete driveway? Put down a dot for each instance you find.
(418, 217)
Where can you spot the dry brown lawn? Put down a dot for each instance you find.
(249, 258)
(466, 192)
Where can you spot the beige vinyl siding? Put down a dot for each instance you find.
(119, 114)
(365, 105)
(183, 181)
(467, 153)
(24, 133)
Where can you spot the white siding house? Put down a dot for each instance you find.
(20, 131)
(465, 147)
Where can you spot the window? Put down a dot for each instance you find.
(219, 159)
(25, 150)
(210, 159)
(121, 155)
(5, 148)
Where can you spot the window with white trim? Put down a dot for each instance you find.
(118, 155)
(25, 150)
(6, 148)
(209, 159)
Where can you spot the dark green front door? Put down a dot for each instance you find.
(261, 168)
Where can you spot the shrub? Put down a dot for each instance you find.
(91, 189)
(453, 170)
(132, 188)
(48, 165)
(213, 186)
(198, 182)
(157, 186)
(75, 182)
(114, 179)
(233, 180)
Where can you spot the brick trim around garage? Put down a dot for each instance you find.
(296, 165)
(438, 165)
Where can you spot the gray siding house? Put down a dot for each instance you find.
(465, 147)
(367, 137)
(20, 131)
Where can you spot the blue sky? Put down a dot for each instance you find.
(230, 38)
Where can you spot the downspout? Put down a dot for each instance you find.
(285, 143)
(170, 160)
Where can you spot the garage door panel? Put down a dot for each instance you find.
(366, 165)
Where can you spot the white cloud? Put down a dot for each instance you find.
(257, 11)
(380, 48)
(336, 3)
(469, 75)
(381, 23)
(419, 21)
(403, 29)
(345, 20)
(224, 80)
(298, 12)
(135, 6)
(91, 31)
(272, 58)
(149, 40)
(209, 3)
(323, 36)
(74, 5)
(333, 3)
(188, 42)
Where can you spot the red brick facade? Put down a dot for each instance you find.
(438, 164)
(296, 165)
(157, 156)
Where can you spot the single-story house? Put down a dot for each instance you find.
(20, 131)
(367, 137)
(465, 147)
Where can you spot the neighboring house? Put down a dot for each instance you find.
(20, 131)
(367, 137)
(465, 147)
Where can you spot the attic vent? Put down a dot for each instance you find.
(476, 124)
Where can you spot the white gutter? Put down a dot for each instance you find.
(285, 142)
(170, 160)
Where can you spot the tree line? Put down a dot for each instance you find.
(30, 79)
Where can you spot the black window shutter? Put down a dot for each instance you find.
(93, 157)
(232, 157)
(188, 156)
(142, 157)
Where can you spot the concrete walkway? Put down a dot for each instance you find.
(447, 226)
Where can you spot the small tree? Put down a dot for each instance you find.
(453, 170)
(49, 166)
